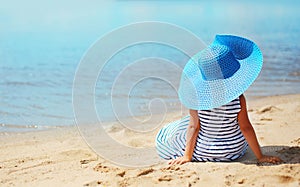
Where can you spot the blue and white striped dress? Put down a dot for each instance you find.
(219, 138)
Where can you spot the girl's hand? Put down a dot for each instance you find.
(269, 159)
(180, 160)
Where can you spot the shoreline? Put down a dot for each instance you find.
(12, 128)
(61, 157)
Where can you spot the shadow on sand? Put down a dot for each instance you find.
(289, 155)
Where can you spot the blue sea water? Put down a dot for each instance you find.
(40, 50)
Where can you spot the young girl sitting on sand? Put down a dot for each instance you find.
(212, 87)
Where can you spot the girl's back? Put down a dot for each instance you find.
(220, 138)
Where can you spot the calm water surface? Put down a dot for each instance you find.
(40, 50)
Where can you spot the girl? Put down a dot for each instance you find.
(212, 87)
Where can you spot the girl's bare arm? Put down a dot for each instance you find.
(191, 138)
(249, 134)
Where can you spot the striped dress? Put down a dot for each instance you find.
(219, 138)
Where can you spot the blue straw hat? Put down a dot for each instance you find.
(219, 73)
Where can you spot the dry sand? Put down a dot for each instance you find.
(60, 157)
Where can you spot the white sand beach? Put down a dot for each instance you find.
(60, 157)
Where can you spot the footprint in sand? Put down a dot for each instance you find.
(93, 183)
(165, 178)
(266, 119)
(171, 168)
(84, 161)
(101, 168)
(230, 180)
(268, 109)
(296, 141)
(285, 179)
(121, 174)
(145, 172)
(250, 110)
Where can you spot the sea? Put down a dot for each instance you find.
(43, 44)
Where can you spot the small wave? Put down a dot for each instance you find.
(56, 116)
(30, 83)
(19, 126)
(18, 83)
(23, 128)
(35, 106)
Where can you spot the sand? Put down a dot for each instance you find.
(61, 157)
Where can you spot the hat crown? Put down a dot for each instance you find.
(220, 73)
(217, 62)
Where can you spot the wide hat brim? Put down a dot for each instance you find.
(196, 93)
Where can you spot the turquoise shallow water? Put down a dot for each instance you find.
(40, 51)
